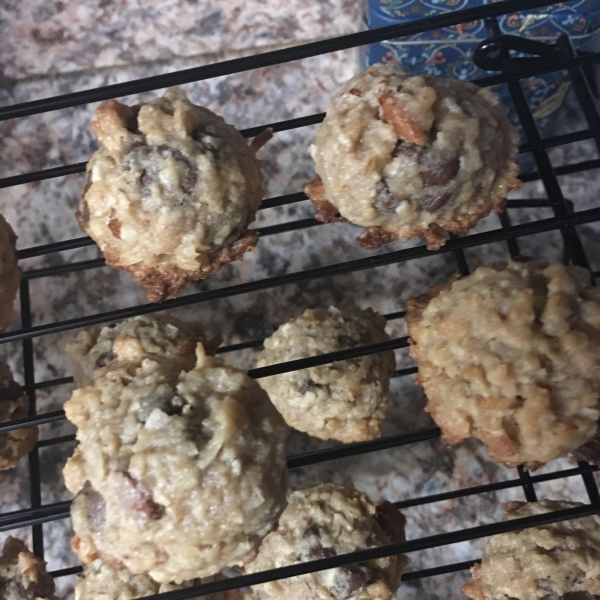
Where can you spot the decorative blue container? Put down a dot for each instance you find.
(448, 52)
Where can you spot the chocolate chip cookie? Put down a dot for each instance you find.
(560, 561)
(179, 472)
(14, 405)
(170, 193)
(100, 581)
(344, 400)
(167, 336)
(10, 273)
(407, 156)
(22, 575)
(511, 356)
(326, 520)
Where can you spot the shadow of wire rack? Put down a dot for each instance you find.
(494, 54)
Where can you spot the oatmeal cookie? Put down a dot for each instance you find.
(178, 472)
(100, 581)
(322, 521)
(22, 575)
(103, 582)
(552, 562)
(170, 193)
(345, 400)
(167, 336)
(10, 274)
(407, 156)
(512, 357)
(14, 405)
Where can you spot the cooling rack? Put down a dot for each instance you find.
(493, 54)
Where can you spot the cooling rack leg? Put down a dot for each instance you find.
(525, 477)
(37, 531)
(513, 245)
(460, 258)
(557, 201)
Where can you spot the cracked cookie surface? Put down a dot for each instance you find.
(170, 193)
(511, 356)
(407, 156)
(178, 472)
(344, 400)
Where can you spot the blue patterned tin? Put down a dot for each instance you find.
(448, 52)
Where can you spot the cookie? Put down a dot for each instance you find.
(170, 193)
(408, 156)
(178, 472)
(22, 575)
(98, 346)
(326, 520)
(344, 400)
(100, 581)
(560, 561)
(10, 274)
(14, 405)
(512, 357)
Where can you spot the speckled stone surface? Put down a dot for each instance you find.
(56, 36)
(43, 212)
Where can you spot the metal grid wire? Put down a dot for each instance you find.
(560, 56)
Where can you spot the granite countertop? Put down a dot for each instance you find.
(58, 47)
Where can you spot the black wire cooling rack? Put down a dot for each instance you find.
(493, 55)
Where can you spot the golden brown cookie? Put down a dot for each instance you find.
(560, 561)
(407, 156)
(167, 336)
(322, 521)
(512, 357)
(22, 575)
(179, 472)
(100, 581)
(344, 400)
(14, 405)
(10, 274)
(170, 193)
